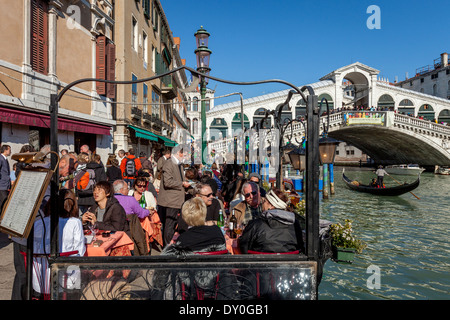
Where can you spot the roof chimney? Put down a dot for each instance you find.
(177, 41)
(444, 59)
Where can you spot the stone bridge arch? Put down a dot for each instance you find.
(397, 143)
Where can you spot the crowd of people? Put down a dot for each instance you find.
(187, 200)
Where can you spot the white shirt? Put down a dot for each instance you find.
(71, 238)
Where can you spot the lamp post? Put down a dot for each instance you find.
(327, 151)
(203, 53)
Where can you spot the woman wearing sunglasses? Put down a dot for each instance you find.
(144, 197)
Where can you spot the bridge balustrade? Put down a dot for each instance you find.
(339, 119)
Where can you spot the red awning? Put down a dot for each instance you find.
(38, 120)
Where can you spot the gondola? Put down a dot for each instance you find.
(390, 191)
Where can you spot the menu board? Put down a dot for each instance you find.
(24, 201)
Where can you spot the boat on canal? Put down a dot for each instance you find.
(405, 169)
(442, 170)
(389, 191)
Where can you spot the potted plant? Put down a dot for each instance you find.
(344, 243)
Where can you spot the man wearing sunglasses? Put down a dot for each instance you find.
(204, 192)
(250, 208)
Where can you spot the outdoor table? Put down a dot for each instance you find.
(111, 245)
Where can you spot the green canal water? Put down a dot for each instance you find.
(408, 251)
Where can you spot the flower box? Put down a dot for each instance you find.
(343, 255)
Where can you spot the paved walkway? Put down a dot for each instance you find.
(7, 271)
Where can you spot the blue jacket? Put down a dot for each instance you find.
(5, 179)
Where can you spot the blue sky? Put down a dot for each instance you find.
(301, 41)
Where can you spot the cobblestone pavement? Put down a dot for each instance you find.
(7, 271)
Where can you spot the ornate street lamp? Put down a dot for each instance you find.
(327, 145)
(298, 158)
(327, 149)
(203, 53)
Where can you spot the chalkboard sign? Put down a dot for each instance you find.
(24, 200)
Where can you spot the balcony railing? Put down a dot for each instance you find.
(136, 113)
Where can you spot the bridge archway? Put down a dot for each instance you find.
(360, 87)
(386, 102)
(444, 116)
(300, 108)
(406, 106)
(427, 112)
(393, 145)
(324, 105)
(259, 115)
(236, 123)
(218, 129)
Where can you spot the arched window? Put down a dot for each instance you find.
(189, 125)
(195, 104)
(189, 104)
(195, 126)
(207, 105)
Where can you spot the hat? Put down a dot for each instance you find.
(275, 201)
(254, 174)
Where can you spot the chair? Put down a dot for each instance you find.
(200, 292)
(41, 273)
(272, 282)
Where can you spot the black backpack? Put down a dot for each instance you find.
(130, 168)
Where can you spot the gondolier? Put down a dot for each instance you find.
(380, 175)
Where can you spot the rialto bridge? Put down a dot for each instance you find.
(404, 126)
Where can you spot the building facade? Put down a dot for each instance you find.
(149, 114)
(432, 80)
(51, 44)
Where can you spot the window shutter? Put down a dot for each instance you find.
(111, 70)
(39, 36)
(101, 64)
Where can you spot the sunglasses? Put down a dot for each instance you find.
(207, 195)
(253, 193)
(141, 185)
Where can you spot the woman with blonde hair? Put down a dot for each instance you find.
(199, 237)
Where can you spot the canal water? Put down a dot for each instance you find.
(408, 251)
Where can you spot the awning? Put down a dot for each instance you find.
(168, 142)
(144, 134)
(39, 120)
